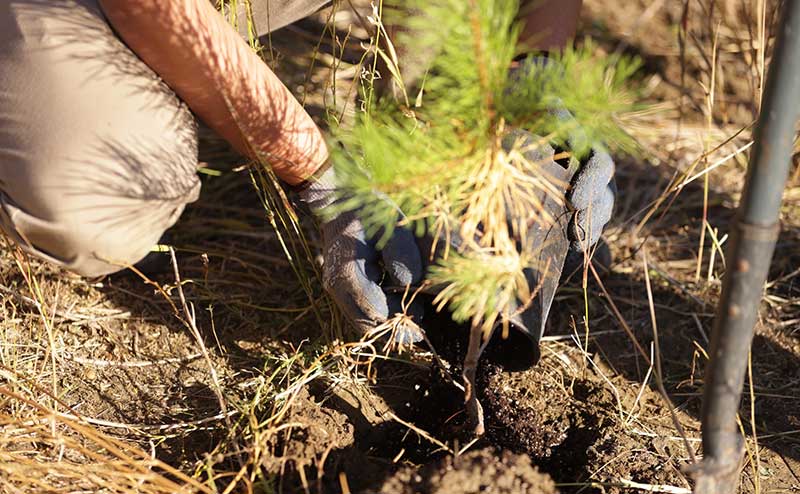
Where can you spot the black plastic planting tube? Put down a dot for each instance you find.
(749, 253)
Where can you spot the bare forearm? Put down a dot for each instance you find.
(191, 47)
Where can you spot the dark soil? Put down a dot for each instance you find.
(541, 431)
(526, 413)
(481, 471)
(319, 430)
(569, 432)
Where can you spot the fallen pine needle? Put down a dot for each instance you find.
(421, 432)
(630, 484)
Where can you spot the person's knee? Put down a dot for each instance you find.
(97, 155)
(104, 206)
(92, 237)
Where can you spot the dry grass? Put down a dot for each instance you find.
(198, 383)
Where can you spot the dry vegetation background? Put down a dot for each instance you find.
(232, 374)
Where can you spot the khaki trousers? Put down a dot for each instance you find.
(97, 155)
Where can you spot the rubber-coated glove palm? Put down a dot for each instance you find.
(353, 267)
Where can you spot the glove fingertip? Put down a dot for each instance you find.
(597, 172)
(602, 165)
(362, 299)
(604, 206)
(410, 333)
(401, 258)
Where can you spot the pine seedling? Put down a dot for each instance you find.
(464, 162)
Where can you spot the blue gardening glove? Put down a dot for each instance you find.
(592, 195)
(353, 268)
(593, 189)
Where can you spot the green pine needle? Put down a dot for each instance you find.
(480, 287)
(420, 160)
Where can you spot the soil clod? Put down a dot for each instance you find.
(480, 471)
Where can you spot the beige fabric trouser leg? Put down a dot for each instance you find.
(270, 15)
(97, 155)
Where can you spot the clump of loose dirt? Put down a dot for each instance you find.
(625, 458)
(526, 412)
(480, 471)
(319, 430)
(572, 431)
(529, 412)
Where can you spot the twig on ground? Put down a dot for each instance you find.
(190, 424)
(659, 375)
(618, 315)
(668, 489)
(190, 321)
(630, 484)
(131, 363)
(422, 433)
(646, 379)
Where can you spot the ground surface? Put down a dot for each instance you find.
(115, 386)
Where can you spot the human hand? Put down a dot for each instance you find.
(592, 196)
(593, 190)
(354, 268)
(546, 240)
